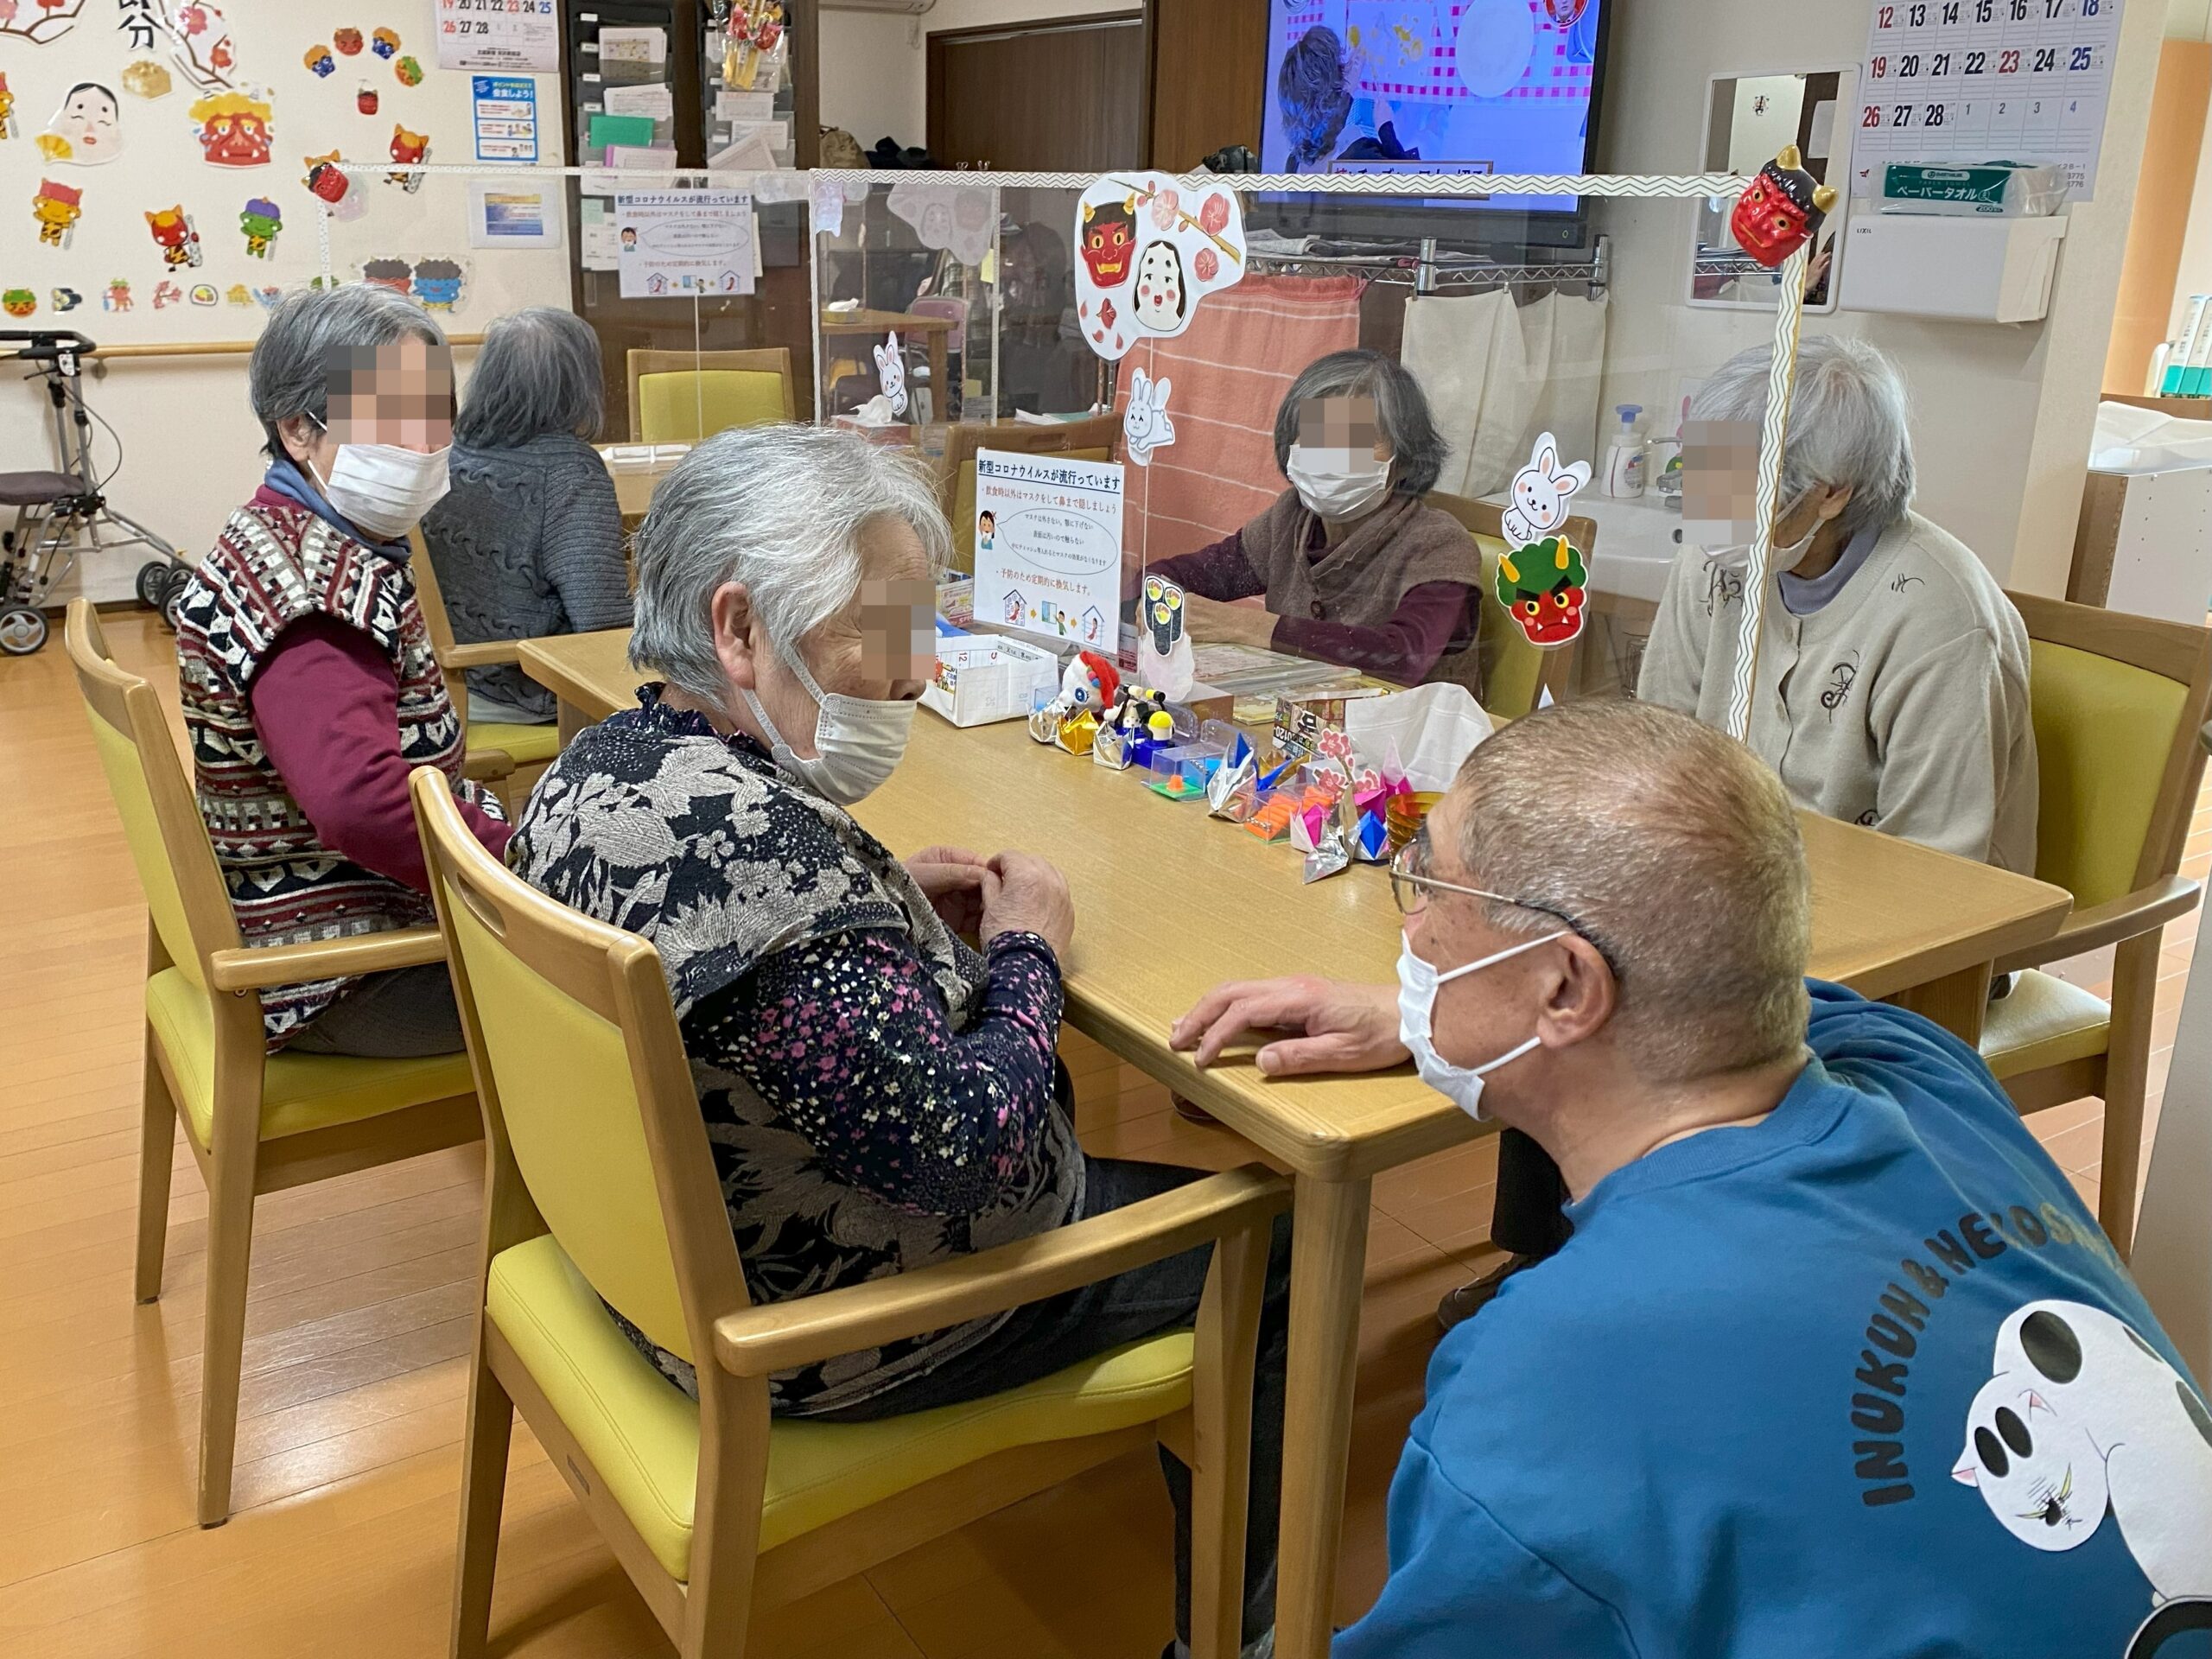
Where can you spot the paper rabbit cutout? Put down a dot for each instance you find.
(891, 375)
(1541, 493)
(1145, 425)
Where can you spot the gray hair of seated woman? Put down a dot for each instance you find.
(539, 373)
(290, 372)
(1849, 424)
(1416, 448)
(780, 509)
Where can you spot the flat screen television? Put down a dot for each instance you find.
(1433, 86)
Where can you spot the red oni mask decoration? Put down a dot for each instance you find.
(234, 130)
(1780, 210)
(1110, 238)
(1551, 619)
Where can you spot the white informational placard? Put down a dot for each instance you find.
(514, 213)
(1048, 545)
(524, 35)
(680, 242)
(507, 118)
(1983, 80)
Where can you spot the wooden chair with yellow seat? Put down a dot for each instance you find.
(1090, 439)
(256, 1122)
(2118, 701)
(1515, 672)
(506, 755)
(685, 396)
(600, 1183)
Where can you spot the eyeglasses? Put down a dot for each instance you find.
(1410, 884)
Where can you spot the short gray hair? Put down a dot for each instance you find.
(1400, 411)
(1675, 850)
(780, 509)
(289, 373)
(538, 373)
(1848, 423)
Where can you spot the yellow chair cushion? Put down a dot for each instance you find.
(687, 405)
(298, 1091)
(641, 1431)
(2044, 1022)
(525, 746)
(2103, 729)
(1512, 668)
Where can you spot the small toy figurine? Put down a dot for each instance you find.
(56, 207)
(18, 301)
(117, 297)
(260, 221)
(384, 42)
(408, 149)
(180, 243)
(319, 59)
(325, 180)
(348, 42)
(408, 72)
(1781, 209)
(1091, 681)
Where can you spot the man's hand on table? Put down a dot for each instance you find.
(1343, 1026)
(1210, 622)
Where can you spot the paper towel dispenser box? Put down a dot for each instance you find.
(1975, 270)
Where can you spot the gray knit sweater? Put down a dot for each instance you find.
(528, 542)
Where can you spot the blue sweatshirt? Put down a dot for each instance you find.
(1862, 1379)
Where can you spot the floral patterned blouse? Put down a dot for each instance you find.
(878, 1096)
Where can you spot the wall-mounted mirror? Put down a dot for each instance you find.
(1749, 118)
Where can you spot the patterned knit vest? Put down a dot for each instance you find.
(271, 567)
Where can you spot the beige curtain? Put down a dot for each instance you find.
(1497, 372)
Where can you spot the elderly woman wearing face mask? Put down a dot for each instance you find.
(878, 1094)
(1355, 568)
(309, 687)
(1892, 675)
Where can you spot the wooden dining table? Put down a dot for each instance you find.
(1170, 902)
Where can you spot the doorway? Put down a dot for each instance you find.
(1062, 96)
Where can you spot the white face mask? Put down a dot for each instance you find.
(1418, 983)
(1338, 483)
(858, 741)
(383, 489)
(1735, 557)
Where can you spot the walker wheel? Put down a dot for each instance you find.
(157, 578)
(22, 630)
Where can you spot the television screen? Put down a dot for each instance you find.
(1435, 86)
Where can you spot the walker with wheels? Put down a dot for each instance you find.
(59, 512)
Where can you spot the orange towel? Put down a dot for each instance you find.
(1229, 373)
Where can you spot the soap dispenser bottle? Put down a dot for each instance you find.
(1624, 459)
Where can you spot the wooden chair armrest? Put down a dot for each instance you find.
(252, 968)
(488, 765)
(779, 1335)
(2109, 923)
(486, 653)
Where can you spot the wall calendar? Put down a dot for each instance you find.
(1984, 80)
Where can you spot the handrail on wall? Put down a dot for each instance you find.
(218, 349)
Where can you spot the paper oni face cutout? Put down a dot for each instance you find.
(1543, 581)
(1151, 248)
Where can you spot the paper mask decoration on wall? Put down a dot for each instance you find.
(1542, 581)
(1145, 425)
(1164, 661)
(957, 218)
(65, 299)
(408, 149)
(56, 207)
(173, 230)
(408, 72)
(1149, 255)
(261, 221)
(86, 131)
(40, 22)
(235, 129)
(384, 42)
(148, 79)
(200, 40)
(18, 301)
(1780, 210)
(117, 297)
(891, 373)
(319, 61)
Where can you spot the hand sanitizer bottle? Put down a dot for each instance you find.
(1625, 461)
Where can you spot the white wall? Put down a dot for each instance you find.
(189, 441)
(2002, 413)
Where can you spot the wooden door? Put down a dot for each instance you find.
(1196, 110)
(1066, 96)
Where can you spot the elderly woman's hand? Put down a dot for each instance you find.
(951, 879)
(1023, 894)
(1210, 622)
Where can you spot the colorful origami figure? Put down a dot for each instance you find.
(1781, 209)
(261, 221)
(56, 207)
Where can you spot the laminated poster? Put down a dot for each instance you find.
(1048, 545)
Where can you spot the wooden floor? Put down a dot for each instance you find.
(358, 1329)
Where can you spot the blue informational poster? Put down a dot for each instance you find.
(507, 118)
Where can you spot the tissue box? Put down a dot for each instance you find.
(1995, 189)
(979, 680)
